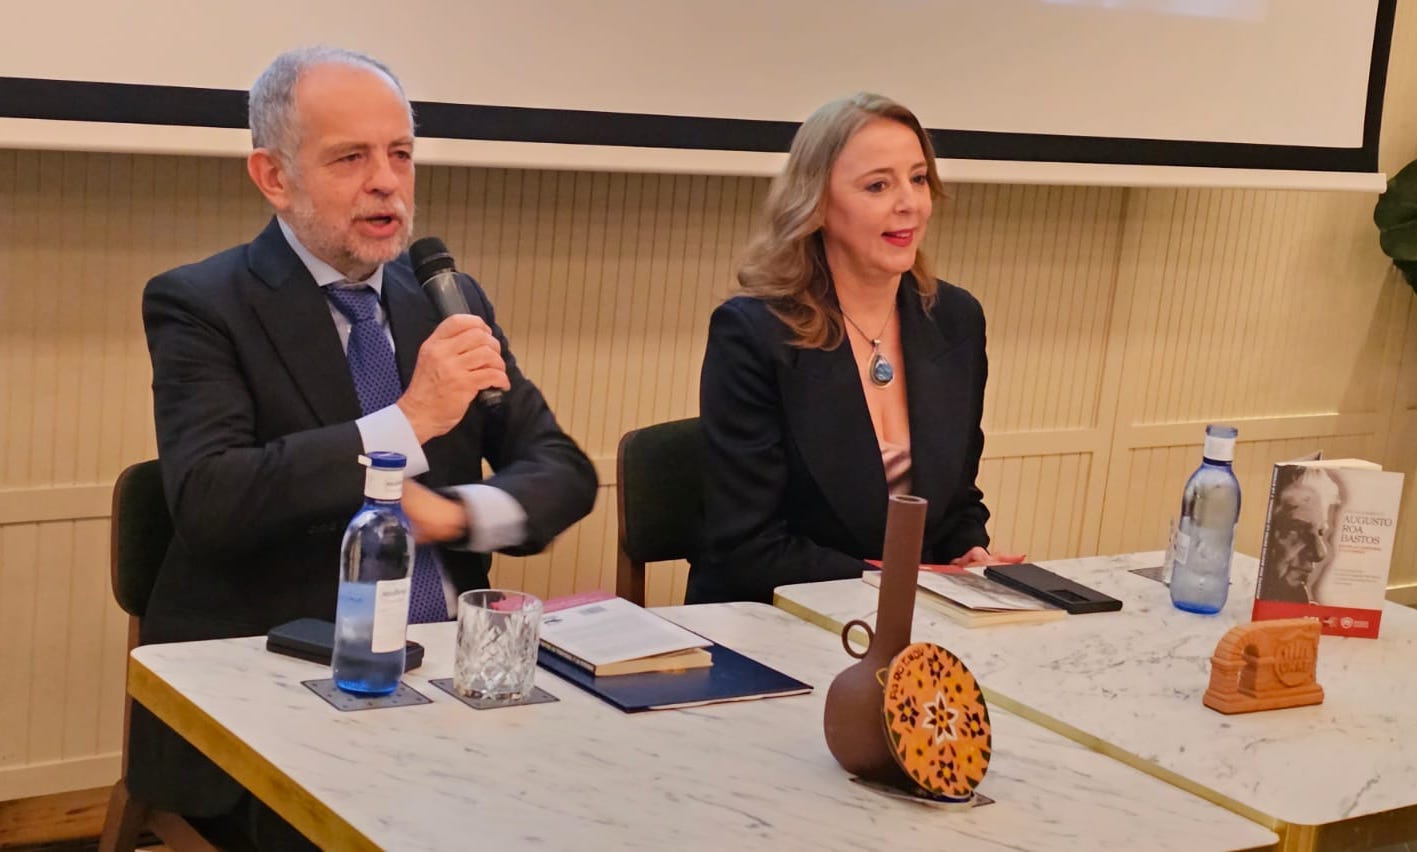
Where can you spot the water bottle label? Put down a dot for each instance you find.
(1181, 549)
(390, 615)
(382, 484)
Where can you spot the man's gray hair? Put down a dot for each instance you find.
(271, 102)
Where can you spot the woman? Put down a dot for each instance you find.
(805, 438)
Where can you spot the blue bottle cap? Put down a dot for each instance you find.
(384, 460)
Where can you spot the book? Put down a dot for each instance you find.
(732, 677)
(925, 566)
(974, 600)
(1328, 538)
(607, 635)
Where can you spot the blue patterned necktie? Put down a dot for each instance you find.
(376, 380)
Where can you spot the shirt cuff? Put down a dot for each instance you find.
(495, 520)
(388, 430)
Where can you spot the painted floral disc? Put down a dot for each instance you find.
(936, 720)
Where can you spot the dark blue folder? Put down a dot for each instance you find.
(732, 677)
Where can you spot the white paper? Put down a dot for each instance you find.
(975, 591)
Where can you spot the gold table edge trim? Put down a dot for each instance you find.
(293, 802)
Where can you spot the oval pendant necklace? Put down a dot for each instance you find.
(879, 369)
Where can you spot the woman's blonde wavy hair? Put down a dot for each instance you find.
(785, 264)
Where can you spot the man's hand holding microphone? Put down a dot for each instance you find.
(461, 361)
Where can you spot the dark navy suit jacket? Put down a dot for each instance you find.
(255, 407)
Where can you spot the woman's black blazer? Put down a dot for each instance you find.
(795, 488)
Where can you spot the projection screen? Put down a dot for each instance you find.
(1208, 92)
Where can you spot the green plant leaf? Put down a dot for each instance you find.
(1399, 203)
(1395, 214)
(1409, 272)
(1399, 242)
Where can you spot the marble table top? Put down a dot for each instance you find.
(578, 774)
(1130, 683)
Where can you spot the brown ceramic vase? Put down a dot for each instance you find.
(853, 721)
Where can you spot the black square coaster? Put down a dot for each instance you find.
(921, 797)
(538, 696)
(404, 696)
(1155, 572)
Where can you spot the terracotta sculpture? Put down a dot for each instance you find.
(1265, 665)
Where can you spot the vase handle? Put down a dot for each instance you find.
(846, 640)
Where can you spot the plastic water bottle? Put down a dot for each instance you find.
(376, 562)
(1205, 535)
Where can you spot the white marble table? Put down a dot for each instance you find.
(1130, 684)
(579, 774)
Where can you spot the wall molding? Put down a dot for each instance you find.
(54, 503)
(50, 503)
(60, 776)
(46, 503)
(1252, 429)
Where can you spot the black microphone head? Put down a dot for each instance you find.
(429, 257)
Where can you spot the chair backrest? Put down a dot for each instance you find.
(141, 531)
(659, 484)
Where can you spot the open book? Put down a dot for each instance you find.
(606, 635)
(1328, 540)
(974, 600)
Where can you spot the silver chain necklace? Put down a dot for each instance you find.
(879, 370)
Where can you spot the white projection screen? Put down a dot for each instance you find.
(1198, 92)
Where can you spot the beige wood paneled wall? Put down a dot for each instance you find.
(1120, 322)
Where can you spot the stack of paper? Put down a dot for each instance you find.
(974, 600)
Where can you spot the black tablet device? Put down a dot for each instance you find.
(314, 640)
(1055, 589)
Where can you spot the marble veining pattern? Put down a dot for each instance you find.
(1135, 679)
(578, 774)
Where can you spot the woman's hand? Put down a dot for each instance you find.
(980, 556)
(435, 518)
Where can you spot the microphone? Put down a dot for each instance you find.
(437, 274)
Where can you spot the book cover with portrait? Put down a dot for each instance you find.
(1328, 541)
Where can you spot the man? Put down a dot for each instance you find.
(1301, 526)
(272, 372)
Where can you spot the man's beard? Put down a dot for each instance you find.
(344, 249)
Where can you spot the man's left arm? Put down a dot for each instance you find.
(542, 482)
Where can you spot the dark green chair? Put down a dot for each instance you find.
(659, 498)
(140, 532)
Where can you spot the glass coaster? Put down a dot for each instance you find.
(537, 696)
(924, 797)
(404, 696)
